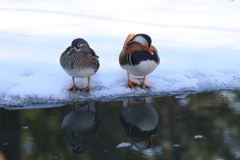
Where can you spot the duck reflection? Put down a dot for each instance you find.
(140, 121)
(80, 126)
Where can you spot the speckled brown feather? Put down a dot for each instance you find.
(79, 60)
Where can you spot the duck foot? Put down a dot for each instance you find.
(131, 84)
(143, 86)
(74, 88)
(87, 89)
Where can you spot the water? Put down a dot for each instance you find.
(203, 126)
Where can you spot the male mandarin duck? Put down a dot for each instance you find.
(140, 121)
(138, 57)
(79, 61)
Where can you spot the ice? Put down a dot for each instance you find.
(198, 136)
(176, 145)
(123, 144)
(25, 127)
(198, 43)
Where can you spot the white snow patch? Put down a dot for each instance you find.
(198, 46)
(198, 136)
(123, 144)
(176, 145)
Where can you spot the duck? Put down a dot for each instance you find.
(80, 126)
(79, 61)
(138, 57)
(140, 121)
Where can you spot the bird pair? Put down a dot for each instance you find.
(138, 57)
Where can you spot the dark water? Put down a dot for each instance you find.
(204, 126)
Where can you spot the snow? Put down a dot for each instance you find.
(198, 136)
(197, 41)
(123, 144)
(176, 145)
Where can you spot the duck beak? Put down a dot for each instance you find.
(71, 50)
(149, 51)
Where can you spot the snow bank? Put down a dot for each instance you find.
(198, 44)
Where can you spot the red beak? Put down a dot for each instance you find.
(149, 51)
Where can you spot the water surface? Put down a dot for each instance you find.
(199, 126)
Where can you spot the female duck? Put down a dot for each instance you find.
(138, 57)
(79, 61)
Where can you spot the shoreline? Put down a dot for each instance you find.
(51, 103)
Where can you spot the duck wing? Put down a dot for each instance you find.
(93, 53)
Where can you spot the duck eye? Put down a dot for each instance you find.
(79, 44)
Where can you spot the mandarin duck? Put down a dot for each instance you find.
(138, 57)
(79, 61)
(80, 126)
(140, 121)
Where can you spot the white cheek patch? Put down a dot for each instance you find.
(77, 49)
(141, 40)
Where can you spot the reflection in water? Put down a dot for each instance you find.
(140, 121)
(203, 126)
(80, 126)
(9, 134)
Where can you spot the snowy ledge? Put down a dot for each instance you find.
(47, 93)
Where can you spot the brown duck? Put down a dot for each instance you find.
(79, 61)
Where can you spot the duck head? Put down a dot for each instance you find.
(142, 143)
(78, 149)
(138, 43)
(79, 44)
